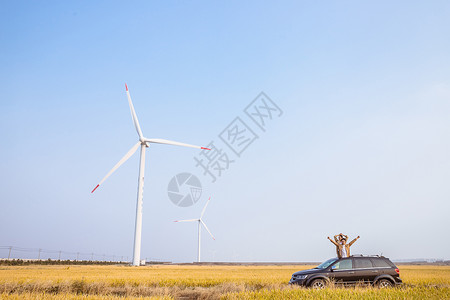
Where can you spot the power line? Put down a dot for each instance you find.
(59, 253)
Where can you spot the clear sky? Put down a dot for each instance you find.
(362, 146)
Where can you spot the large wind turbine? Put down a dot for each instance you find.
(144, 143)
(200, 223)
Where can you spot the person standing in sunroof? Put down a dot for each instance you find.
(342, 248)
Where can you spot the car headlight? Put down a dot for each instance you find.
(301, 276)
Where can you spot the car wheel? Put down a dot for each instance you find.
(384, 283)
(318, 284)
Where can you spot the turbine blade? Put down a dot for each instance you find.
(161, 141)
(133, 114)
(191, 220)
(204, 208)
(207, 229)
(124, 159)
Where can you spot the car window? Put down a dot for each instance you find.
(343, 264)
(361, 263)
(380, 263)
(325, 265)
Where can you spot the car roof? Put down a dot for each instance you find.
(368, 256)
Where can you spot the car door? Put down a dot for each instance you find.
(364, 270)
(342, 271)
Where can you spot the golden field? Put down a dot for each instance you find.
(202, 282)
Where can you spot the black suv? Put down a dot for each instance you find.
(376, 270)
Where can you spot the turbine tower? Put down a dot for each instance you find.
(200, 223)
(143, 143)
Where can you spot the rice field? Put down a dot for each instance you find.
(202, 282)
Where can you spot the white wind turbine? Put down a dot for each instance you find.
(200, 223)
(144, 143)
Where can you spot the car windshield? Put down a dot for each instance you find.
(325, 265)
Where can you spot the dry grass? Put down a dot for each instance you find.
(39, 296)
(346, 293)
(162, 275)
(200, 282)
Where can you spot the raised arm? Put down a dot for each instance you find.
(333, 242)
(354, 240)
(336, 237)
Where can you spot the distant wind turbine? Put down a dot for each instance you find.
(200, 223)
(144, 143)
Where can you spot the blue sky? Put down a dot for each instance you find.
(362, 145)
